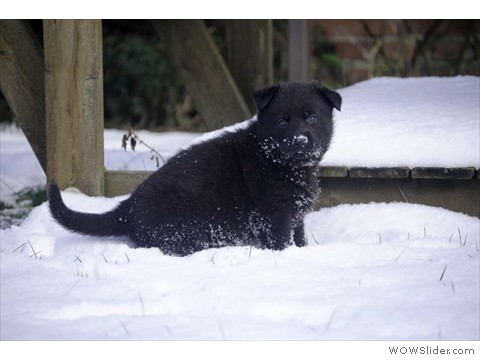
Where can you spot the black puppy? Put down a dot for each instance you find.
(248, 187)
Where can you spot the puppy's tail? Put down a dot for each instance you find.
(113, 223)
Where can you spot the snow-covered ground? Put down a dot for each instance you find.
(371, 271)
(379, 271)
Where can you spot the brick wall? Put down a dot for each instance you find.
(361, 49)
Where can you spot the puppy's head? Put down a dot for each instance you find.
(295, 126)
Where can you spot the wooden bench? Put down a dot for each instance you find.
(457, 189)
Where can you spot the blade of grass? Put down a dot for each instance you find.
(443, 272)
(398, 257)
(21, 246)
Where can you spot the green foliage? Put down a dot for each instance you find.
(23, 203)
(280, 53)
(140, 82)
(31, 197)
(326, 65)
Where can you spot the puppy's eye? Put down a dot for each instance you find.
(282, 123)
(312, 119)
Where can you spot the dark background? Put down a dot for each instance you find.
(141, 86)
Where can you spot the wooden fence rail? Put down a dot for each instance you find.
(457, 190)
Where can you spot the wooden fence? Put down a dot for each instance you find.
(57, 98)
(56, 92)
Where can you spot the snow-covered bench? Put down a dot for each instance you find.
(411, 140)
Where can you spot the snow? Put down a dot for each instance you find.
(370, 271)
(432, 122)
(374, 274)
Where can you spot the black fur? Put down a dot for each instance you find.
(249, 187)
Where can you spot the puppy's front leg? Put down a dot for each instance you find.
(299, 235)
(277, 235)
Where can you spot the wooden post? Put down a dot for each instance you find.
(74, 103)
(207, 78)
(250, 55)
(22, 82)
(298, 51)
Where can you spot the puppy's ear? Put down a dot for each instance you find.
(331, 96)
(263, 96)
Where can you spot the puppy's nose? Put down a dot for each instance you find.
(302, 139)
